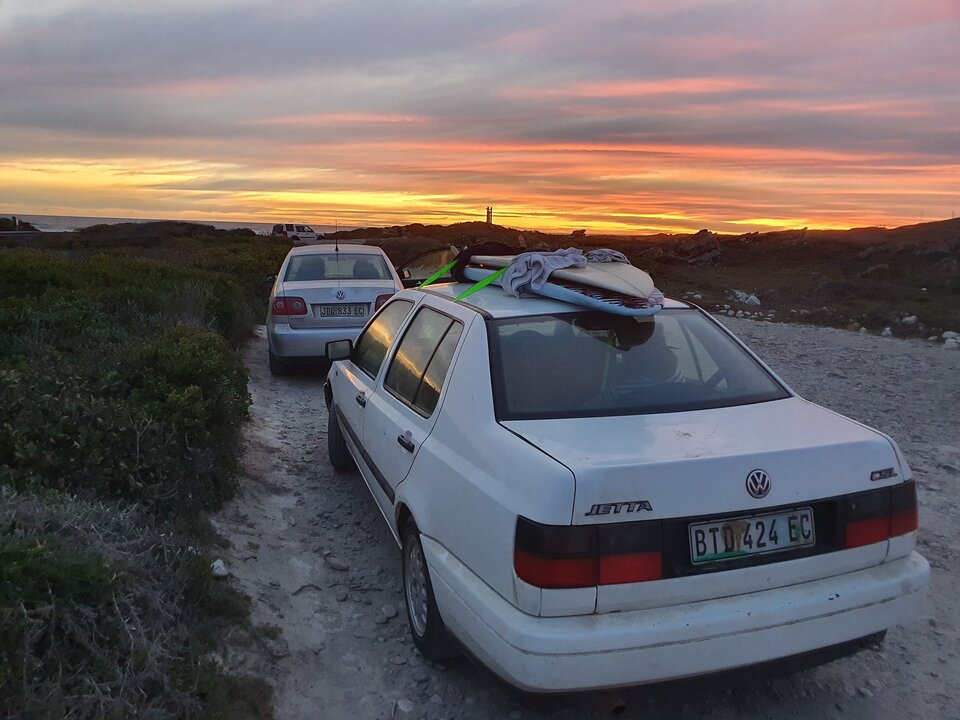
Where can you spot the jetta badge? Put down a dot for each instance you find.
(758, 484)
(340, 295)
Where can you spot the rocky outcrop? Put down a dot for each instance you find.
(701, 248)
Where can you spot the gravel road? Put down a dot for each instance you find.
(311, 549)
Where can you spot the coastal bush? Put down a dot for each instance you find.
(106, 613)
(121, 403)
(161, 428)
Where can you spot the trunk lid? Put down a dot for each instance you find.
(696, 463)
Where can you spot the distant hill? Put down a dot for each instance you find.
(905, 278)
(941, 233)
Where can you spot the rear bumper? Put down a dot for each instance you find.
(586, 652)
(286, 342)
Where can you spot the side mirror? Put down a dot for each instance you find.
(270, 280)
(339, 349)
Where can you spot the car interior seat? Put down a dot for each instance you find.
(552, 372)
(309, 268)
(363, 269)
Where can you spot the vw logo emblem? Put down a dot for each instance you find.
(758, 484)
(340, 295)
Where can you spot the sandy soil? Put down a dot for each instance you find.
(311, 549)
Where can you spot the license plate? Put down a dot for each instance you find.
(751, 535)
(341, 310)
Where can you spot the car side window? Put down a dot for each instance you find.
(418, 369)
(373, 344)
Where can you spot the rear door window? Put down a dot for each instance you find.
(420, 366)
(379, 335)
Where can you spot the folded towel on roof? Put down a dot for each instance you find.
(531, 270)
(606, 255)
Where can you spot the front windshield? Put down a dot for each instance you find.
(596, 364)
(336, 266)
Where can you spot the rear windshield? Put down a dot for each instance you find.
(595, 364)
(336, 266)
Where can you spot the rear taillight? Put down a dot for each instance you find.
(288, 306)
(381, 299)
(878, 515)
(573, 556)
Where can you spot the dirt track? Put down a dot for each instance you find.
(311, 549)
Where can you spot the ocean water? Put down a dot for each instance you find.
(69, 223)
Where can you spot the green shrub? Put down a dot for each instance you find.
(37, 574)
(119, 383)
(162, 428)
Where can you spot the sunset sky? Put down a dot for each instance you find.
(612, 115)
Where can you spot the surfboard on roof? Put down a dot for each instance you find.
(592, 297)
(620, 278)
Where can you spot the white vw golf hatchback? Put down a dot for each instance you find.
(586, 500)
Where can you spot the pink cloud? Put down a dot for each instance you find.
(636, 88)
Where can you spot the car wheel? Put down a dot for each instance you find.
(278, 366)
(429, 633)
(336, 445)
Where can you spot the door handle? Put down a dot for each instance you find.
(361, 400)
(405, 442)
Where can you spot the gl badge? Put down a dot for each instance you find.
(758, 484)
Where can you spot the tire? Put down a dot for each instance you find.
(429, 633)
(278, 366)
(337, 449)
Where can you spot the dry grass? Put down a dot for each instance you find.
(113, 616)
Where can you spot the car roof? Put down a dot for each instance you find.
(493, 301)
(329, 248)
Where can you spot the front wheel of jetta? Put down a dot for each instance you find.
(430, 635)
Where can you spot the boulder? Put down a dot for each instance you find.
(701, 248)
(744, 297)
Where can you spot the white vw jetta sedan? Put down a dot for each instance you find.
(586, 500)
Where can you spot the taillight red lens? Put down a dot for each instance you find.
(879, 515)
(381, 299)
(903, 522)
(574, 556)
(289, 306)
(555, 572)
(867, 532)
(633, 567)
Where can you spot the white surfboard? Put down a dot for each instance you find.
(615, 277)
(575, 293)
